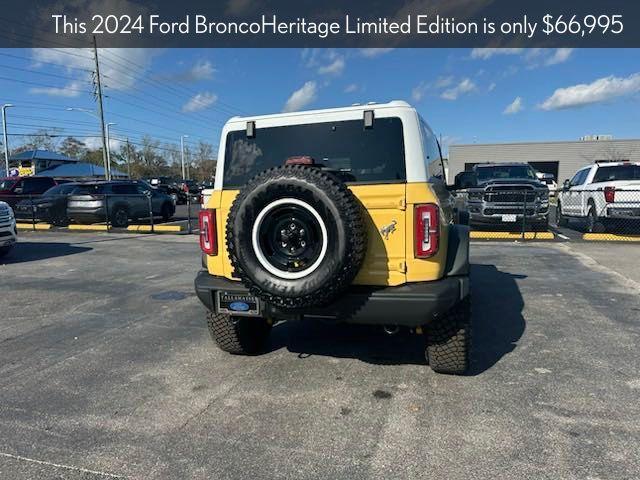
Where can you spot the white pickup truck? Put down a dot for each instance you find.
(605, 194)
(8, 230)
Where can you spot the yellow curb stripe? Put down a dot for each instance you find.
(511, 235)
(611, 237)
(88, 227)
(29, 226)
(156, 228)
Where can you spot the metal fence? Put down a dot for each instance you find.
(604, 213)
(608, 212)
(101, 211)
(505, 212)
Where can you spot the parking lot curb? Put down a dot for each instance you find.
(100, 228)
(610, 237)
(31, 226)
(156, 228)
(478, 235)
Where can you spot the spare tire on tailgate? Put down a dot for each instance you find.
(296, 236)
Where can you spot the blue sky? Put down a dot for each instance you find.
(466, 95)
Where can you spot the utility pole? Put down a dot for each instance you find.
(101, 110)
(109, 125)
(128, 160)
(6, 142)
(182, 137)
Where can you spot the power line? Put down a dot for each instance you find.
(38, 72)
(67, 67)
(190, 91)
(25, 82)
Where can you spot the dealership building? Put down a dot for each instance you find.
(561, 159)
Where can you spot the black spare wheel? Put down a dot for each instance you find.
(296, 236)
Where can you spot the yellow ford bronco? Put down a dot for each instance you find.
(339, 214)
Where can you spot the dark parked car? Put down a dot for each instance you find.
(120, 202)
(50, 207)
(14, 189)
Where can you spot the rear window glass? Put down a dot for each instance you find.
(618, 172)
(356, 153)
(7, 184)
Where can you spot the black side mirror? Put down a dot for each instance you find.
(566, 185)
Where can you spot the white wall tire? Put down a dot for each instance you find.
(255, 240)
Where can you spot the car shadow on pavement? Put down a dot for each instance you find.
(33, 251)
(497, 325)
(497, 316)
(364, 342)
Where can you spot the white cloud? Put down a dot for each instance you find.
(95, 143)
(302, 97)
(419, 91)
(352, 87)
(114, 61)
(72, 89)
(601, 90)
(492, 86)
(514, 107)
(374, 52)
(465, 86)
(336, 67)
(487, 53)
(561, 55)
(325, 61)
(202, 70)
(199, 102)
(546, 57)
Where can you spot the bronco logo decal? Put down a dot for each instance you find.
(388, 229)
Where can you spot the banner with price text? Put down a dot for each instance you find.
(331, 23)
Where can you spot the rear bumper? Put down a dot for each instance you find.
(411, 305)
(624, 213)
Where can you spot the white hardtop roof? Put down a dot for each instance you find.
(352, 108)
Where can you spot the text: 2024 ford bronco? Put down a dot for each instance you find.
(340, 213)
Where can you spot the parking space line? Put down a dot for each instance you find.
(611, 237)
(59, 465)
(475, 234)
(30, 226)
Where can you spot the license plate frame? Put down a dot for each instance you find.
(237, 303)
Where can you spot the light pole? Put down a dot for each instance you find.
(109, 149)
(104, 142)
(4, 131)
(182, 137)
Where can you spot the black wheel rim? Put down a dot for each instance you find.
(290, 238)
(121, 217)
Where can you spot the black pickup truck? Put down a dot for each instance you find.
(502, 193)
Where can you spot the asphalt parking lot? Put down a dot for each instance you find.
(107, 371)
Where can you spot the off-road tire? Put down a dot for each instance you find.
(238, 335)
(342, 215)
(561, 220)
(448, 340)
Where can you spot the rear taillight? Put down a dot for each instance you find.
(427, 230)
(208, 240)
(610, 194)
